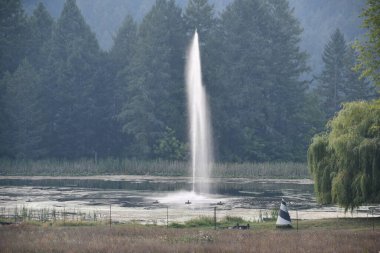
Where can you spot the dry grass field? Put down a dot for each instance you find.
(137, 238)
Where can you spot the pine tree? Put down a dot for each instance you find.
(5, 137)
(41, 26)
(155, 85)
(120, 57)
(356, 88)
(13, 35)
(369, 62)
(333, 77)
(108, 139)
(124, 44)
(118, 68)
(199, 15)
(24, 108)
(338, 81)
(72, 86)
(262, 96)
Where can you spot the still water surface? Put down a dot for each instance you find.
(150, 199)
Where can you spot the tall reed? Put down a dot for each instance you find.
(115, 166)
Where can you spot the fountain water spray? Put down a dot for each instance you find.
(200, 130)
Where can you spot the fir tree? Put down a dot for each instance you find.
(356, 88)
(199, 15)
(369, 62)
(338, 81)
(155, 86)
(72, 87)
(120, 57)
(41, 27)
(262, 96)
(14, 34)
(24, 108)
(333, 77)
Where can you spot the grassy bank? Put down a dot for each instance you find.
(312, 236)
(88, 167)
(207, 222)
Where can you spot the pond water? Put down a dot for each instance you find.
(148, 199)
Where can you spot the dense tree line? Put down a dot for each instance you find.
(62, 96)
(345, 159)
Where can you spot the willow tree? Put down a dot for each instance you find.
(345, 161)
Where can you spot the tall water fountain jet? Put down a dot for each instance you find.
(200, 134)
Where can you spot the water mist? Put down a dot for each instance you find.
(200, 134)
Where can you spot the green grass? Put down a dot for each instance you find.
(111, 166)
(207, 222)
(334, 223)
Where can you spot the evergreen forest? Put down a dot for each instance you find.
(63, 96)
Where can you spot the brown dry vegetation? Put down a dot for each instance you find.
(135, 238)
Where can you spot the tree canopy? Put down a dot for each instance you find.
(261, 90)
(345, 160)
(62, 96)
(338, 82)
(369, 61)
(14, 34)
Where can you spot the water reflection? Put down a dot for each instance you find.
(148, 199)
(143, 192)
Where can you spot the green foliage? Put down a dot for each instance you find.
(369, 62)
(120, 59)
(170, 148)
(14, 35)
(155, 90)
(199, 14)
(41, 28)
(321, 167)
(202, 221)
(345, 161)
(25, 117)
(338, 82)
(274, 214)
(208, 221)
(260, 95)
(71, 100)
(75, 111)
(356, 88)
(332, 78)
(124, 44)
(233, 220)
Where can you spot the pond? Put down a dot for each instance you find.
(148, 199)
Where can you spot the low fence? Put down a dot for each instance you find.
(192, 217)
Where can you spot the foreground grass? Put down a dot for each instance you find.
(313, 236)
(87, 167)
